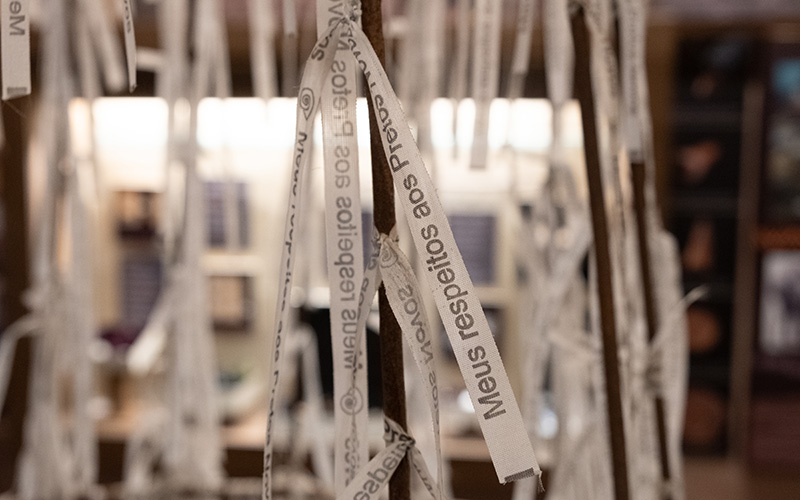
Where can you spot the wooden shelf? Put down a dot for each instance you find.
(778, 238)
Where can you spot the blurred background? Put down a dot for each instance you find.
(725, 95)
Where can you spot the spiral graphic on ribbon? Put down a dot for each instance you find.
(352, 401)
(306, 101)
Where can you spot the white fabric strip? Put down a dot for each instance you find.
(371, 280)
(289, 45)
(46, 466)
(369, 286)
(90, 86)
(459, 307)
(130, 43)
(345, 256)
(526, 16)
(289, 18)
(372, 478)
(24, 326)
(80, 317)
(531, 259)
(223, 88)
(105, 43)
(403, 293)
(15, 48)
(632, 38)
(316, 70)
(558, 52)
(376, 474)
(262, 48)
(485, 73)
(476, 352)
(203, 45)
(460, 68)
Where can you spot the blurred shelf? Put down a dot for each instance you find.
(779, 238)
(720, 116)
(714, 372)
(719, 289)
(706, 204)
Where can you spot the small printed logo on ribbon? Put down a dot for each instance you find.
(306, 101)
(352, 402)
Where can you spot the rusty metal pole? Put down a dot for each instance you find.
(640, 207)
(583, 90)
(393, 383)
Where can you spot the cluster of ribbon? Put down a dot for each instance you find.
(180, 432)
(557, 295)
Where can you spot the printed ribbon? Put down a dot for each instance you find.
(15, 48)
(345, 256)
(459, 307)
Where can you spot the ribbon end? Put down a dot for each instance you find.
(522, 475)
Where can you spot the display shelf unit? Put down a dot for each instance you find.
(768, 388)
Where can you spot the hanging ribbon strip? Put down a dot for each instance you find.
(58, 455)
(459, 307)
(290, 39)
(186, 439)
(667, 360)
(106, 45)
(15, 48)
(345, 255)
(459, 69)
(193, 457)
(403, 293)
(130, 43)
(485, 73)
(520, 61)
(23, 327)
(262, 49)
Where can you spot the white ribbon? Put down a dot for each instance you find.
(105, 44)
(459, 307)
(520, 61)
(15, 48)
(371, 479)
(403, 293)
(22, 327)
(485, 73)
(345, 255)
(262, 46)
(130, 43)
(312, 82)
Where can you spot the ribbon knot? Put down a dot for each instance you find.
(354, 11)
